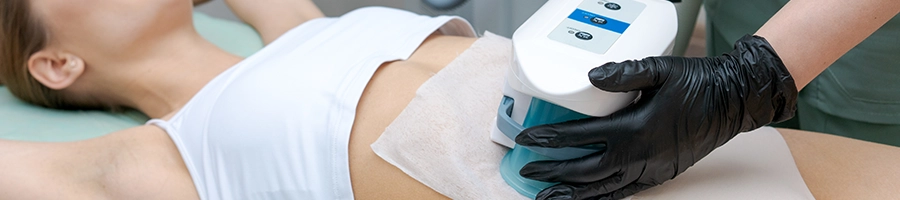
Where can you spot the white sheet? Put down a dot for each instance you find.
(442, 140)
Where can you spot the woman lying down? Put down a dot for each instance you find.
(293, 121)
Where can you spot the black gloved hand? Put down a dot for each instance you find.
(687, 108)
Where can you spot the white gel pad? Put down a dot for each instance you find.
(442, 139)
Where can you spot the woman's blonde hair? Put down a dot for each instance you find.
(21, 35)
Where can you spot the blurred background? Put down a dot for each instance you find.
(501, 17)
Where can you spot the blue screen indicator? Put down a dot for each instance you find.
(599, 21)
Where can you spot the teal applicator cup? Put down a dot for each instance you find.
(539, 112)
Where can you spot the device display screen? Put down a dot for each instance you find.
(596, 24)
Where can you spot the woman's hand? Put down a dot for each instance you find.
(688, 107)
(272, 18)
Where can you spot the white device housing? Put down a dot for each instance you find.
(550, 67)
(557, 72)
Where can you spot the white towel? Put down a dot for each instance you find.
(442, 139)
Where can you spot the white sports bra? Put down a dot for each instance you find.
(277, 124)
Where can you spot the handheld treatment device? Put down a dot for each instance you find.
(553, 52)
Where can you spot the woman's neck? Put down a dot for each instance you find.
(165, 76)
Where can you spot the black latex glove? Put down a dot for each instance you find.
(687, 108)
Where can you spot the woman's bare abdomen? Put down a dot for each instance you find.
(392, 87)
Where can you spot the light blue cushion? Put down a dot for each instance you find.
(234, 37)
(21, 121)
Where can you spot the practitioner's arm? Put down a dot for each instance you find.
(690, 106)
(272, 18)
(810, 35)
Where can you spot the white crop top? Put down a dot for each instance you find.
(277, 124)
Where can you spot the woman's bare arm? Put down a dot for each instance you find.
(137, 163)
(272, 18)
(835, 167)
(32, 170)
(809, 35)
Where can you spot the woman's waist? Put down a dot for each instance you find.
(388, 93)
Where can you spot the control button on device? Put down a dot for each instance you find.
(598, 20)
(612, 6)
(584, 35)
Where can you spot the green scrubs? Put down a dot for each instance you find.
(858, 96)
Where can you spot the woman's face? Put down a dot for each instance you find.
(107, 28)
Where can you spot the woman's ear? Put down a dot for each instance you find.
(55, 70)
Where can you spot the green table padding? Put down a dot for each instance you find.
(21, 121)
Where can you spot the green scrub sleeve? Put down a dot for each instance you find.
(858, 94)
